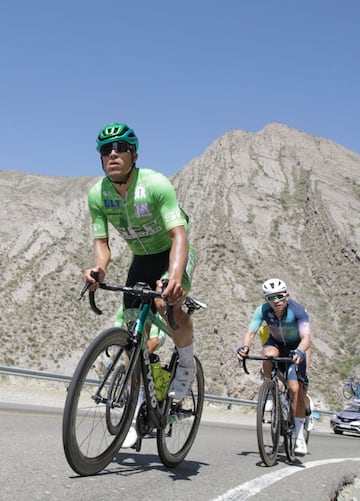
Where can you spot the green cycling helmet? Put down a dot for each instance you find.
(117, 132)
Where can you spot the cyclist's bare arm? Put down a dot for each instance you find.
(177, 264)
(102, 257)
(303, 347)
(247, 342)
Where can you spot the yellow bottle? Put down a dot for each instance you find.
(161, 376)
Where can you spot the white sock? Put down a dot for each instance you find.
(299, 427)
(141, 398)
(186, 356)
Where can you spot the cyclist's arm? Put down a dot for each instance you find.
(256, 321)
(247, 342)
(303, 346)
(177, 264)
(101, 249)
(102, 257)
(305, 337)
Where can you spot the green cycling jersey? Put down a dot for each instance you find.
(144, 217)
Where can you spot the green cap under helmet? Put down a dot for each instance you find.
(116, 132)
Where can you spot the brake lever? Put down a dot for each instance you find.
(83, 290)
(244, 365)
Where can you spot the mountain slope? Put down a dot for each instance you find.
(274, 203)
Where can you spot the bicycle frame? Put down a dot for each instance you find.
(138, 334)
(137, 330)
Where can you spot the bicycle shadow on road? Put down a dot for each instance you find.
(279, 460)
(132, 463)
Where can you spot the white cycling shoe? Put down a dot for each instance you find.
(131, 437)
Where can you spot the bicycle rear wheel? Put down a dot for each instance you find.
(96, 420)
(183, 420)
(268, 422)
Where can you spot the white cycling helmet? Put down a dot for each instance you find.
(274, 286)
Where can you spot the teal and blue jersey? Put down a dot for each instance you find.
(289, 328)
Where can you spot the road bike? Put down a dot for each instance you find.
(103, 392)
(351, 388)
(274, 414)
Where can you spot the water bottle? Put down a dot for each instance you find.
(165, 383)
(161, 376)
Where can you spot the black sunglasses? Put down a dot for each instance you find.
(118, 146)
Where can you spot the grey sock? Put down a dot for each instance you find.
(186, 356)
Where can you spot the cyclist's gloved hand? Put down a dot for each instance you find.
(298, 356)
(242, 351)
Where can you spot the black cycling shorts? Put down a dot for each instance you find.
(148, 269)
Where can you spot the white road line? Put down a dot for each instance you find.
(252, 487)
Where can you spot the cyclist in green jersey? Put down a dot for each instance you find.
(141, 204)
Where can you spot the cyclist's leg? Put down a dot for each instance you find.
(298, 404)
(146, 269)
(269, 349)
(183, 337)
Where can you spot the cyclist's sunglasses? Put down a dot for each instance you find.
(273, 297)
(118, 146)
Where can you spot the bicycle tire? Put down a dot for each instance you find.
(268, 422)
(88, 443)
(175, 440)
(348, 392)
(289, 434)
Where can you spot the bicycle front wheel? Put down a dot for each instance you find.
(98, 410)
(268, 422)
(183, 420)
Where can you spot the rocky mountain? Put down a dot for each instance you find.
(279, 202)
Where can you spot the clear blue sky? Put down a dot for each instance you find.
(180, 73)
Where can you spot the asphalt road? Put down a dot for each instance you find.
(223, 464)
